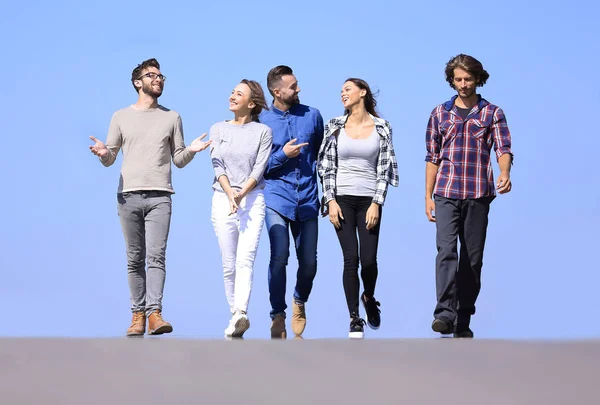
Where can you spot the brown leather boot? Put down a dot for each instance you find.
(278, 327)
(138, 324)
(157, 325)
(298, 318)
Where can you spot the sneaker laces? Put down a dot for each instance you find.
(357, 321)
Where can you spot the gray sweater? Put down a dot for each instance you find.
(149, 139)
(240, 152)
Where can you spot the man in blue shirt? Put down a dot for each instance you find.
(291, 195)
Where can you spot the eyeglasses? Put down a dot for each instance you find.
(153, 76)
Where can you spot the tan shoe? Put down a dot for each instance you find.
(138, 324)
(298, 318)
(157, 325)
(278, 327)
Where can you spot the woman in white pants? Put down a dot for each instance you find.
(239, 151)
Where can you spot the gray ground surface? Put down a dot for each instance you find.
(179, 371)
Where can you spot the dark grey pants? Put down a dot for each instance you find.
(458, 277)
(145, 219)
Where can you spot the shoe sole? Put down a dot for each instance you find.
(440, 326)
(367, 316)
(241, 326)
(356, 335)
(134, 335)
(161, 330)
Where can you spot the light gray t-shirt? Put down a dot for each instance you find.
(357, 165)
(149, 138)
(240, 152)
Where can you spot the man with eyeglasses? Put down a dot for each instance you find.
(150, 135)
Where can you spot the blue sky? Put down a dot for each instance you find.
(66, 69)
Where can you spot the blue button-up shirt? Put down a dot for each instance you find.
(291, 186)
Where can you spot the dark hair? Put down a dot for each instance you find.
(257, 96)
(369, 99)
(275, 75)
(137, 72)
(468, 64)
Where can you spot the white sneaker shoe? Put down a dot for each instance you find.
(239, 324)
(231, 327)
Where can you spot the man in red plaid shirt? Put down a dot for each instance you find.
(459, 187)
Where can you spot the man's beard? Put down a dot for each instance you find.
(149, 90)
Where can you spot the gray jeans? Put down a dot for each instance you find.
(145, 219)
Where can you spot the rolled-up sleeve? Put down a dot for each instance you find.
(432, 141)
(501, 135)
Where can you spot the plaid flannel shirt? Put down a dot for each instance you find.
(462, 148)
(387, 166)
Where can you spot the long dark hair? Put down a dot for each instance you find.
(369, 99)
(257, 96)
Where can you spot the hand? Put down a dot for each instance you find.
(197, 145)
(99, 149)
(504, 185)
(372, 217)
(335, 213)
(430, 209)
(233, 200)
(291, 150)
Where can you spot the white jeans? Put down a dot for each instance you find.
(238, 235)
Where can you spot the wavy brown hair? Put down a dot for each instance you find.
(369, 99)
(468, 64)
(257, 96)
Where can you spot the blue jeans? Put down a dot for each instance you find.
(305, 235)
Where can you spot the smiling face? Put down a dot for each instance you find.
(240, 101)
(352, 95)
(151, 82)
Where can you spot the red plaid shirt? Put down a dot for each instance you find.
(462, 149)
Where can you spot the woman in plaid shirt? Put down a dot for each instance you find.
(356, 164)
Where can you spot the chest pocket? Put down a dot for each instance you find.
(447, 130)
(478, 129)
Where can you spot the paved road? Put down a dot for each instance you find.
(178, 371)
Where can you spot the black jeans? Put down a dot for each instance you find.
(458, 278)
(354, 209)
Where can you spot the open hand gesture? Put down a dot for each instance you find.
(98, 149)
(197, 145)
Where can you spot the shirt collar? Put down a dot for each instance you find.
(279, 112)
(449, 105)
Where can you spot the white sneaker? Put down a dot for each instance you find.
(230, 328)
(240, 323)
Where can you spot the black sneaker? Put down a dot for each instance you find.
(442, 325)
(464, 333)
(372, 311)
(357, 328)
